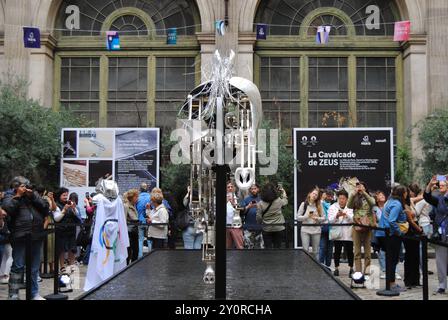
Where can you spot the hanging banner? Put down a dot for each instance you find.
(130, 156)
(113, 40)
(262, 30)
(402, 31)
(31, 37)
(323, 34)
(171, 37)
(220, 26)
(331, 158)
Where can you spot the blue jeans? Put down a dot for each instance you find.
(85, 261)
(2, 248)
(18, 264)
(325, 249)
(192, 240)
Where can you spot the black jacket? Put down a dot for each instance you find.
(26, 215)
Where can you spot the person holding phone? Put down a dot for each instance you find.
(311, 212)
(253, 237)
(362, 203)
(339, 213)
(65, 228)
(440, 226)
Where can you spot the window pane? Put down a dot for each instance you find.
(80, 86)
(280, 91)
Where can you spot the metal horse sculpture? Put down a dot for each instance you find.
(221, 116)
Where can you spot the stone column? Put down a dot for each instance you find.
(18, 13)
(415, 86)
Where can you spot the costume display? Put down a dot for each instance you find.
(110, 236)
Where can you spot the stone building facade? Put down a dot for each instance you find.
(360, 78)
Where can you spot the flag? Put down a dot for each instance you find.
(171, 37)
(31, 37)
(220, 27)
(261, 31)
(113, 40)
(323, 34)
(402, 31)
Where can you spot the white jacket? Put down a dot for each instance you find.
(158, 215)
(345, 233)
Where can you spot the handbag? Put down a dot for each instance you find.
(365, 220)
(182, 220)
(335, 233)
(404, 226)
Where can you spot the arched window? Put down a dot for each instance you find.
(353, 80)
(287, 16)
(142, 84)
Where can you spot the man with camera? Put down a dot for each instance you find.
(26, 215)
(440, 227)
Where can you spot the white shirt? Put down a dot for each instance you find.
(346, 231)
(423, 210)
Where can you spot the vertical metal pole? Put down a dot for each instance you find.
(388, 260)
(425, 267)
(56, 265)
(220, 231)
(45, 271)
(28, 259)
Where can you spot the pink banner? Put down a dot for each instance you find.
(402, 31)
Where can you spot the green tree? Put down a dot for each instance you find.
(433, 137)
(30, 135)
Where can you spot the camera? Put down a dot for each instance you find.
(253, 202)
(70, 203)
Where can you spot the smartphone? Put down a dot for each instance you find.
(441, 178)
(87, 195)
(253, 202)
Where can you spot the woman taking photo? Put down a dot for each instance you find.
(394, 219)
(269, 213)
(412, 247)
(311, 212)
(362, 203)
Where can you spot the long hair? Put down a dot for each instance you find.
(358, 199)
(398, 194)
(268, 193)
(317, 203)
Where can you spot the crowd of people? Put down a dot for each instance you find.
(254, 221)
(407, 214)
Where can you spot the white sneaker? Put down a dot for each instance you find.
(383, 275)
(38, 297)
(397, 276)
(39, 279)
(14, 297)
(4, 280)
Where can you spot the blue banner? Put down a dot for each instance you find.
(31, 37)
(262, 30)
(171, 36)
(113, 40)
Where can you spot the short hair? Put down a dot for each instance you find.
(143, 187)
(268, 193)
(18, 181)
(59, 192)
(156, 190)
(131, 194)
(342, 193)
(157, 197)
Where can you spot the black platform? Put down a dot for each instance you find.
(251, 275)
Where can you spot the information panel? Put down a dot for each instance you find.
(131, 156)
(325, 156)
